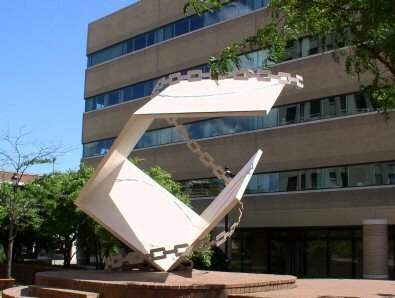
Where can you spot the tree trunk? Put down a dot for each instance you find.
(11, 238)
(66, 253)
(66, 259)
(97, 256)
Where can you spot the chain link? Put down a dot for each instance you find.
(208, 161)
(264, 75)
(221, 238)
(133, 258)
(205, 158)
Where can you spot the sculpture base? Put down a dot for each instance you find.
(163, 284)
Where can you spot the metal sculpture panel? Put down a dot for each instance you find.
(139, 211)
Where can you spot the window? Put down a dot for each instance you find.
(390, 169)
(166, 32)
(310, 179)
(113, 98)
(292, 183)
(244, 6)
(140, 42)
(288, 181)
(230, 11)
(391, 178)
(151, 38)
(129, 46)
(334, 177)
(329, 42)
(361, 175)
(290, 115)
(315, 109)
(271, 120)
(127, 94)
(211, 18)
(100, 102)
(229, 125)
(89, 103)
(360, 104)
(116, 51)
(332, 107)
(138, 90)
(164, 136)
(291, 49)
(314, 45)
(196, 22)
(182, 27)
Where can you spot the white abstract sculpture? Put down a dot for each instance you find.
(140, 212)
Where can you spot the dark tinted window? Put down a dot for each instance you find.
(151, 38)
(138, 90)
(196, 22)
(129, 46)
(140, 42)
(181, 27)
(228, 11)
(113, 98)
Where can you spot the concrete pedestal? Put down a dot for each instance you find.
(375, 249)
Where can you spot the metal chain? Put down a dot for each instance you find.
(263, 75)
(161, 253)
(133, 258)
(205, 244)
(205, 158)
(208, 161)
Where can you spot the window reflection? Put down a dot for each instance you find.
(292, 114)
(310, 179)
(228, 11)
(324, 178)
(212, 18)
(333, 107)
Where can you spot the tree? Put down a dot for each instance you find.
(366, 26)
(96, 240)
(63, 221)
(19, 203)
(164, 179)
(19, 208)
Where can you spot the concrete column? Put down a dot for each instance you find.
(375, 249)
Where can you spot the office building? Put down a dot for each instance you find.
(322, 200)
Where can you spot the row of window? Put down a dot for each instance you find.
(303, 47)
(310, 179)
(145, 88)
(231, 10)
(335, 253)
(296, 113)
(125, 94)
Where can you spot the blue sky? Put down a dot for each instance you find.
(42, 65)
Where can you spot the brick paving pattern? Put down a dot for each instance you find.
(202, 284)
(332, 288)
